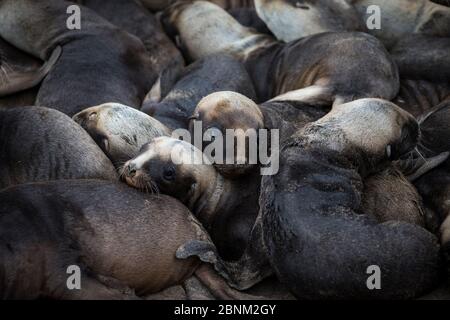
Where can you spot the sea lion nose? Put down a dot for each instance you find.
(131, 168)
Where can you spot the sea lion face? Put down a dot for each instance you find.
(172, 167)
(290, 20)
(119, 130)
(224, 111)
(375, 127)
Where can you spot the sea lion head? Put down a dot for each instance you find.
(176, 168)
(119, 130)
(225, 111)
(374, 128)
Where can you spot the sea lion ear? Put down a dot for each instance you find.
(421, 166)
(203, 250)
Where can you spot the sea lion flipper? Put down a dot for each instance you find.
(205, 251)
(422, 165)
(313, 95)
(219, 287)
(22, 80)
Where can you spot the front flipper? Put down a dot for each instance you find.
(242, 274)
(16, 81)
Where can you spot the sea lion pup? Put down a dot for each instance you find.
(122, 241)
(19, 71)
(415, 62)
(330, 67)
(119, 130)
(41, 144)
(217, 72)
(399, 18)
(99, 63)
(131, 16)
(291, 20)
(311, 228)
(435, 185)
(227, 208)
(231, 110)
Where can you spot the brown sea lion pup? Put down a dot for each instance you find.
(389, 196)
(131, 16)
(120, 130)
(312, 230)
(41, 144)
(123, 242)
(331, 67)
(290, 20)
(400, 18)
(214, 73)
(227, 208)
(99, 63)
(20, 71)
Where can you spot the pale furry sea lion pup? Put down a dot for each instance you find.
(291, 20)
(330, 67)
(311, 219)
(120, 130)
(227, 208)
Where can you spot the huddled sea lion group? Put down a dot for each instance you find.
(95, 174)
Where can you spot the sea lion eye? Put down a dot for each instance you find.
(169, 174)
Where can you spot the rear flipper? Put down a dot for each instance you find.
(16, 81)
(315, 95)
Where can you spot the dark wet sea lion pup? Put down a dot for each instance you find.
(120, 130)
(415, 62)
(331, 67)
(217, 72)
(123, 241)
(131, 16)
(227, 208)
(99, 63)
(435, 185)
(311, 231)
(41, 144)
